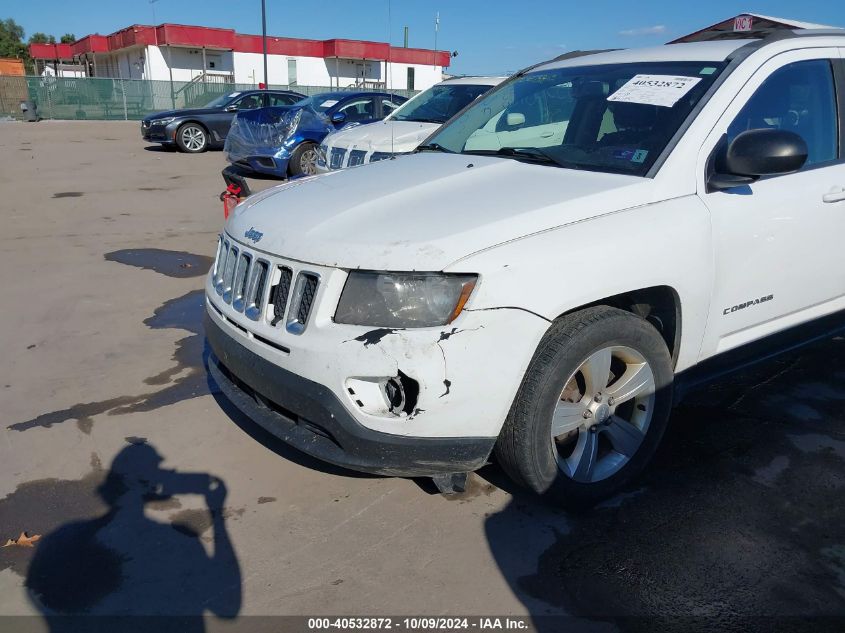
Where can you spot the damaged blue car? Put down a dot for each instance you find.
(283, 141)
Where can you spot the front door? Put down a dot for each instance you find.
(778, 243)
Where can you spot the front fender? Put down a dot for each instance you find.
(553, 272)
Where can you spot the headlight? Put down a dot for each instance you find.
(163, 121)
(401, 300)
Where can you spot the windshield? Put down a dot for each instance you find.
(320, 103)
(613, 117)
(222, 100)
(439, 103)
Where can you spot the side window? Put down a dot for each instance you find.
(388, 106)
(800, 98)
(249, 102)
(360, 109)
(281, 99)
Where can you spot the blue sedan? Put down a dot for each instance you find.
(282, 141)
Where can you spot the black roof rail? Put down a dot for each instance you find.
(776, 36)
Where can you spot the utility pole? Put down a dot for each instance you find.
(436, 29)
(264, 39)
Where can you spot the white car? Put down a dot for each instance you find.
(405, 128)
(537, 282)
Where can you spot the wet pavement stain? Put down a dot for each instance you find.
(195, 522)
(191, 522)
(41, 506)
(266, 500)
(170, 263)
(740, 519)
(68, 194)
(185, 380)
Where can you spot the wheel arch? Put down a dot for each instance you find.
(194, 121)
(659, 305)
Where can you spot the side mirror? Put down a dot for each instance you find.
(515, 118)
(231, 108)
(755, 153)
(338, 117)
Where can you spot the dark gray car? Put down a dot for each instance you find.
(195, 130)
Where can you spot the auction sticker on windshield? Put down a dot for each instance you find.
(659, 90)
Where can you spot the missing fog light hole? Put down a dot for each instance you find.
(401, 393)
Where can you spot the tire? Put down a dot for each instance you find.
(564, 387)
(303, 161)
(192, 138)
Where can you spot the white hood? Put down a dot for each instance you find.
(425, 211)
(383, 136)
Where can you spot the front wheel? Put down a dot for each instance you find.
(592, 407)
(192, 138)
(303, 161)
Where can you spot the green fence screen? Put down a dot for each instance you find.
(119, 99)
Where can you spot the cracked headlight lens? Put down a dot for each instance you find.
(403, 300)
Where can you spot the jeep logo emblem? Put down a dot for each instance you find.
(253, 235)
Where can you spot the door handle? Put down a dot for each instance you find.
(837, 194)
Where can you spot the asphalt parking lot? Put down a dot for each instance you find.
(103, 390)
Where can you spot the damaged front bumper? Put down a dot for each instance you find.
(309, 417)
(415, 401)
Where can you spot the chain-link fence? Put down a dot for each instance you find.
(120, 99)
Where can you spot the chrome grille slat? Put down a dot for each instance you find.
(221, 267)
(241, 279)
(255, 293)
(229, 273)
(264, 289)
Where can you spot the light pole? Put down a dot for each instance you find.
(436, 29)
(264, 39)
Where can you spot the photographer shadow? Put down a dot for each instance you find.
(98, 573)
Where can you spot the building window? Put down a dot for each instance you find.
(410, 79)
(291, 72)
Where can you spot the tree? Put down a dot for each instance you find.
(11, 40)
(68, 38)
(42, 38)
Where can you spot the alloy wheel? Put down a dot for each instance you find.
(193, 138)
(308, 162)
(603, 414)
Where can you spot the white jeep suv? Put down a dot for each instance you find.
(536, 282)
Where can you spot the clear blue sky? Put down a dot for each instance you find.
(491, 36)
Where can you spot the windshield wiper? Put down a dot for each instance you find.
(524, 153)
(424, 120)
(433, 147)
